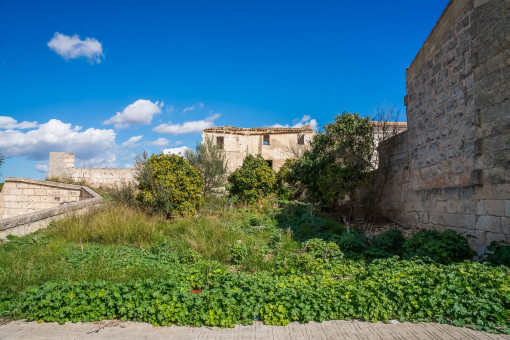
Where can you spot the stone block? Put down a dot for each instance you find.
(507, 208)
(494, 207)
(489, 237)
(489, 223)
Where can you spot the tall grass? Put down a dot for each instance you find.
(111, 224)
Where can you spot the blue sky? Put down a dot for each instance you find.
(108, 79)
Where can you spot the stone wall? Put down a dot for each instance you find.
(451, 168)
(61, 167)
(27, 205)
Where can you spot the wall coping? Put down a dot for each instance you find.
(15, 221)
(441, 26)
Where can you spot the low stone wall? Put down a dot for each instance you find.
(62, 167)
(27, 205)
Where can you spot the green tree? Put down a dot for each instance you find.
(209, 158)
(338, 162)
(253, 180)
(168, 183)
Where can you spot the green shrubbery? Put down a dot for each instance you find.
(123, 263)
(168, 183)
(498, 253)
(253, 180)
(208, 294)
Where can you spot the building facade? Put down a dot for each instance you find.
(275, 145)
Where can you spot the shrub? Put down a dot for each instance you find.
(386, 244)
(209, 158)
(498, 253)
(253, 180)
(338, 162)
(238, 252)
(446, 247)
(353, 243)
(168, 183)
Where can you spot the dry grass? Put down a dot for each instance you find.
(111, 224)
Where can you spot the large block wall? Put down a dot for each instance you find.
(451, 169)
(61, 167)
(22, 196)
(27, 205)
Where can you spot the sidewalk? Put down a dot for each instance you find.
(339, 329)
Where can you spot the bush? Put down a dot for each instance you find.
(209, 158)
(353, 243)
(498, 253)
(254, 180)
(446, 247)
(386, 244)
(168, 183)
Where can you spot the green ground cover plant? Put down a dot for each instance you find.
(273, 261)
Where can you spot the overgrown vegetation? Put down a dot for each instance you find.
(169, 184)
(274, 261)
(253, 180)
(337, 163)
(209, 158)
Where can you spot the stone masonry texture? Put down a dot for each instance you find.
(27, 205)
(451, 168)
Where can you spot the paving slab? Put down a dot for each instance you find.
(338, 329)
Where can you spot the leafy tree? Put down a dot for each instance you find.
(254, 180)
(338, 162)
(168, 183)
(209, 158)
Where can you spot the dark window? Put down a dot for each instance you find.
(266, 140)
(301, 139)
(270, 163)
(220, 141)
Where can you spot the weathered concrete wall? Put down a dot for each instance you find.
(451, 168)
(27, 205)
(239, 143)
(61, 166)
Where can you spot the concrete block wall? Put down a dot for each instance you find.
(451, 169)
(21, 196)
(61, 166)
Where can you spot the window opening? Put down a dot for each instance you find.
(266, 140)
(220, 141)
(301, 139)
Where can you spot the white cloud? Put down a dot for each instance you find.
(193, 107)
(131, 142)
(138, 113)
(11, 123)
(176, 151)
(305, 120)
(160, 142)
(73, 47)
(92, 145)
(41, 167)
(187, 127)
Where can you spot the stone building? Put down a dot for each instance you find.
(451, 168)
(275, 145)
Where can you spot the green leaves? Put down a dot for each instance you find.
(168, 183)
(254, 180)
(338, 162)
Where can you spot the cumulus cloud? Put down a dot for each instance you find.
(160, 142)
(138, 113)
(73, 47)
(305, 120)
(93, 145)
(41, 167)
(9, 123)
(176, 151)
(132, 142)
(187, 127)
(193, 107)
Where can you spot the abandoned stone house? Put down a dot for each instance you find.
(275, 145)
